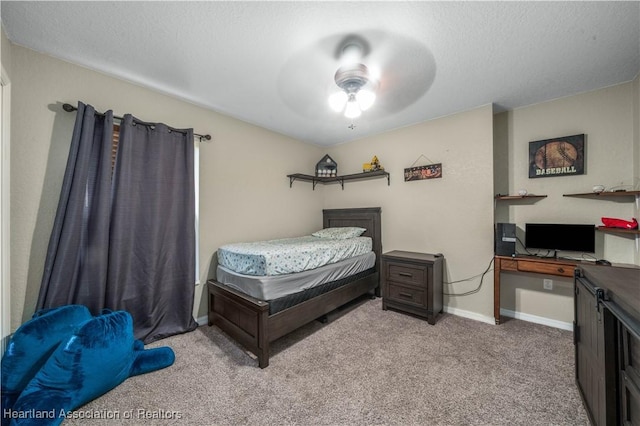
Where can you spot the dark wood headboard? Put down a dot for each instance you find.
(367, 217)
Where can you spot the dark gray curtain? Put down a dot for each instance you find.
(127, 241)
(75, 270)
(152, 250)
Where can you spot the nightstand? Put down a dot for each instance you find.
(412, 283)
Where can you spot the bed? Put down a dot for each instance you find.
(255, 323)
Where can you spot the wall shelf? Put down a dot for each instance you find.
(611, 195)
(605, 194)
(518, 197)
(340, 179)
(618, 230)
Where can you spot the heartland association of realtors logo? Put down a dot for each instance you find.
(557, 157)
(54, 415)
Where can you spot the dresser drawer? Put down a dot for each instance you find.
(630, 400)
(407, 295)
(565, 270)
(630, 351)
(407, 274)
(629, 377)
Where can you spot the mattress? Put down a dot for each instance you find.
(273, 287)
(289, 255)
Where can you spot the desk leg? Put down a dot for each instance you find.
(496, 289)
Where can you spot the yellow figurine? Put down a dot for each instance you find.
(373, 166)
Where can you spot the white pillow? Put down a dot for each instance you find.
(340, 233)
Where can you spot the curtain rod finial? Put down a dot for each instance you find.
(68, 107)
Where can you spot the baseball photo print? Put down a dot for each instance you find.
(557, 157)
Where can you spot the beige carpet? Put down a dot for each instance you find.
(365, 366)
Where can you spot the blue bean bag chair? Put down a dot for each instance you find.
(32, 344)
(97, 357)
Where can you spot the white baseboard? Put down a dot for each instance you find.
(538, 320)
(511, 314)
(468, 314)
(203, 320)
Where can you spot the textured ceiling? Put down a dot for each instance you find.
(272, 63)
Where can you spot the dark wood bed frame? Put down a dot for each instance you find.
(247, 319)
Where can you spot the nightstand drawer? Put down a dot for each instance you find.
(407, 274)
(407, 295)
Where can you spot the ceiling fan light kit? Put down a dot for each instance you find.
(352, 110)
(358, 90)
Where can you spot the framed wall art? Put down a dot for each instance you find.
(563, 156)
(430, 171)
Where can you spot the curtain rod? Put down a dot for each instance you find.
(71, 108)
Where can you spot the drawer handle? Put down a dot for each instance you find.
(561, 270)
(407, 295)
(405, 274)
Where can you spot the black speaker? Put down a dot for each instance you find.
(505, 239)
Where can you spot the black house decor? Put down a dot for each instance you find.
(327, 167)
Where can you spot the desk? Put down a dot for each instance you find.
(547, 266)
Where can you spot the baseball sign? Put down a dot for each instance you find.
(557, 157)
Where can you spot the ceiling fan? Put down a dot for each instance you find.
(395, 69)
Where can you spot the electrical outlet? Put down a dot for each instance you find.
(547, 284)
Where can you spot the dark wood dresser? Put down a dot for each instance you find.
(412, 282)
(607, 343)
